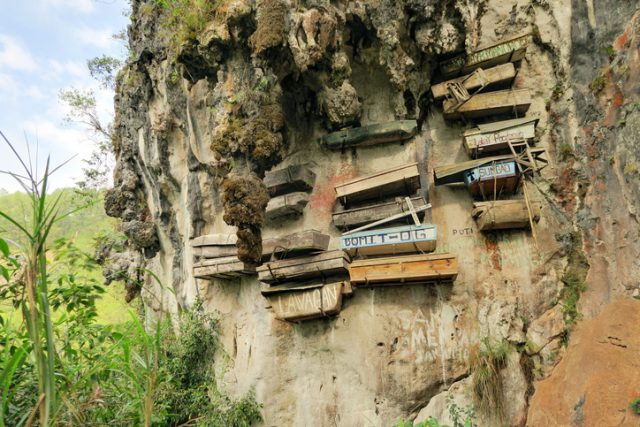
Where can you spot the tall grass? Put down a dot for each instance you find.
(487, 386)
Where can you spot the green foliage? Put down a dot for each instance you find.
(104, 69)
(461, 417)
(635, 406)
(598, 83)
(630, 168)
(487, 385)
(565, 151)
(573, 287)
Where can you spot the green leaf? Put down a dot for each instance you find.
(4, 247)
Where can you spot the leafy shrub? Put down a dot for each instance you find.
(635, 406)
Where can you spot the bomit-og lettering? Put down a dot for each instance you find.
(391, 240)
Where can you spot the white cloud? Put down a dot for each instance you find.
(74, 68)
(13, 55)
(102, 38)
(84, 6)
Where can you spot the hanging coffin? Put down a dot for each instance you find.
(395, 240)
(406, 269)
(305, 302)
(402, 180)
(286, 206)
(492, 138)
(378, 133)
(295, 244)
(222, 268)
(500, 75)
(504, 214)
(510, 50)
(494, 178)
(352, 218)
(214, 245)
(508, 102)
(323, 265)
(290, 179)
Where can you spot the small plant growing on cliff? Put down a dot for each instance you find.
(487, 386)
(565, 151)
(635, 406)
(573, 287)
(597, 84)
(630, 168)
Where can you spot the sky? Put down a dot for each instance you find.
(44, 48)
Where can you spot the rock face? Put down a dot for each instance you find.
(598, 376)
(206, 105)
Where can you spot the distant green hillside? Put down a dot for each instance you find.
(82, 227)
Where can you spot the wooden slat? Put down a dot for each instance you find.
(215, 251)
(346, 219)
(395, 240)
(290, 179)
(218, 239)
(482, 140)
(404, 269)
(507, 102)
(509, 50)
(504, 214)
(324, 264)
(222, 268)
(401, 180)
(295, 244)
(378, 133)
(499, 75)
(286, 206)
(307, 304)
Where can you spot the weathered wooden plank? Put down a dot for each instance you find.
(499, 75)
(297, 305)
(513, 102)
(378, 133)
(395, 240)
(295, 244)
(404, 269)
(494, 178)
(509, 50)
(222, 268)
(324, 264)
(492, 138)
(217, 239)
(290, 179)
(215, 251)
(504, 214)
(401, 180)
(352, 218)
(286, 206)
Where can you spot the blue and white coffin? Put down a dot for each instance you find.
(396, 240)
(499, 177)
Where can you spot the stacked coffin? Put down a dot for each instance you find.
(501, 152)
(379, 250)
(216, 258)
(301, 279)
(465, 94)
(289, 189)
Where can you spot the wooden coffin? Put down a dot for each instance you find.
(504, 214)
(286, 206)
(399, 181)
(404, 269)
(499, 75)
(307, 302)
(450, 174)
(214, 245)
(509, 50)
(492, 138)
(493, 178)
(290, 179)
(295, 244)
(395, 240)
(222, 268)
(325, 264)
(508, 102)
(378, 133)
(352, 218)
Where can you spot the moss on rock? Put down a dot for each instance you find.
(271, 20)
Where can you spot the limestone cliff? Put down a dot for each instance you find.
(217, 93)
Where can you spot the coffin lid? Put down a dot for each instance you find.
(498, 126)
(450, 174)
